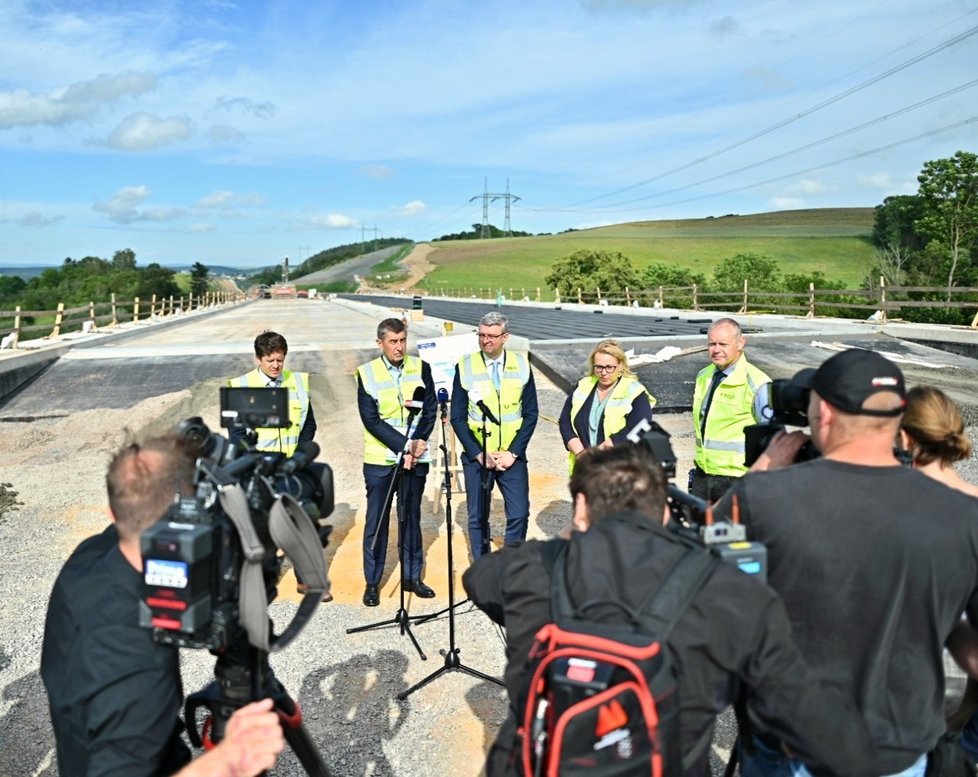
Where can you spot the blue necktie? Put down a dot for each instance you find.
(495, 375)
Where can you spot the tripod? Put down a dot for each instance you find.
(240, 679)
(401, 619)
(452, 661)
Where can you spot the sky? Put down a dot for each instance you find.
(240, 133)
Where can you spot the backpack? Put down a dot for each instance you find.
(603, 697)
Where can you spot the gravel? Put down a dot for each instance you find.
(346, 683)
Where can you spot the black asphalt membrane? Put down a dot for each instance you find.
(561, 341)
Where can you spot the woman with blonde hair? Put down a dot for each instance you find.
(607, 402)
(932, 432)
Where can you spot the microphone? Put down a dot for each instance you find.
(416, 402)
(443, 401)
(476, 397)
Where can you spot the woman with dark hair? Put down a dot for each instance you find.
(607, 402)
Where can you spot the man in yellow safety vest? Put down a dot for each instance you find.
(729, 395)
(270, 351)
(494, 387)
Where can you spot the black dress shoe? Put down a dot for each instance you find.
(371, 595)
(418, 589)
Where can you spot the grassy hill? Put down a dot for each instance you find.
(833, 240)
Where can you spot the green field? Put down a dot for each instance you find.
(832, 240)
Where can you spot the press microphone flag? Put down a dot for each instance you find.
(416, 402)
(476, 396)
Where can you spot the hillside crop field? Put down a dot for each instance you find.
(835, 241)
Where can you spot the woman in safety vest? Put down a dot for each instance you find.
(607, 402)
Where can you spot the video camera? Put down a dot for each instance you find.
(212, 562)
(789, 407)
(692, 518)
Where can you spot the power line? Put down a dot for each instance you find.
(860, 155)
(785, 122)
(806, 147)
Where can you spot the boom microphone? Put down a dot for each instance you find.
(476, 396)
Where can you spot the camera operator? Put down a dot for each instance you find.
(114, 692)
(875, 561)
(734, 632)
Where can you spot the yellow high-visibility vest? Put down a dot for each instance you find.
(721, 450)
(280, 440)
(382, 386)
(506, 403)
(617, 408)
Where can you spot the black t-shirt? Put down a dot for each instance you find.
(114, 693)
(875, 566)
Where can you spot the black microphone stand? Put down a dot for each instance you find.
(402, 618)
(452, 661)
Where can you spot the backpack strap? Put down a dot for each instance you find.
(667, 603)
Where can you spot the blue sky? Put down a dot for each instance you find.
(237, 133)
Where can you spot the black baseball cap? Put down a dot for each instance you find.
(850, 377)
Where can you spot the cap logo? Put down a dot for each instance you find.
(887, 381)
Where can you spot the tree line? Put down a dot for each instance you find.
(92, 279)
(927, 239)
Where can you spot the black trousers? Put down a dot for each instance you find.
(709, 487)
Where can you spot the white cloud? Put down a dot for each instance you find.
(123, 207)
(332, 221)
(223, 135)
(224, 198)
(725, 27)
(884, 182)
(786, 203)
(262, 110)
(144, 131)
(413, 208)
(75, 102)
(35, 219)
(202, 228)
(379, 172)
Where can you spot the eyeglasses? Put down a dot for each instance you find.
(605, 367)
(492, 338)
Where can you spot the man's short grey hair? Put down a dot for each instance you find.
(495, 318)
(727, 322)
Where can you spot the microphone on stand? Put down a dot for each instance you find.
(476, 397)
(443, 402)
(414, 406)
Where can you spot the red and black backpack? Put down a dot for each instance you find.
(603, 696)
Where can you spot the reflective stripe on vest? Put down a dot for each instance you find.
(721, 452)
(619, 404)
(383, 388)
(506, 404)
(280, 440)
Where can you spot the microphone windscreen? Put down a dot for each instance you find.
(443, 394)
(418, 394)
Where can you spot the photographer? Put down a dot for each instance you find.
(114, 692)
(734, 632)
(875, 561)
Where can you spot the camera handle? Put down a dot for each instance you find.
(293, 531)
